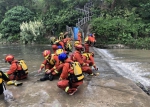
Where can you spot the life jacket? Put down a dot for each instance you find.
(86, 39)
(56, 42)
(1, 80)
(68, 46)
(90, 40)
(78, 75)
(52, 61)
(61, 37)
(87, 55)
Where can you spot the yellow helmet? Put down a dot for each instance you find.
(61, 33)
(59, 51)
(76, 43)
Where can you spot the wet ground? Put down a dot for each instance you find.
(109, 89)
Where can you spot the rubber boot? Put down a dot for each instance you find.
(46, 77)
(17, 83)
(51, 77)
(10, 83)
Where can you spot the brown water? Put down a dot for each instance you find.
(32, 54)
(133, 64)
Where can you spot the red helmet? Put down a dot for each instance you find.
(46, 53)
(79, 47)
(9, 58)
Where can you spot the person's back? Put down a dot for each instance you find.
(77, 56)
(65, 81)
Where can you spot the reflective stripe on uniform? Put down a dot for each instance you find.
(54, 67)
(66, 89)
(42, 65)
(46, 70)
(56, 71)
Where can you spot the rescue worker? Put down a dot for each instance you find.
(66, 80)
(67, 44)
(52, 40)
(50, 64)
(3, 78)
(79, 37)
(77, 56)
(77, 42)
(63, 35)
(89, 41)
(60, 50)
(89, 58)
(57, 43)
(16, 72)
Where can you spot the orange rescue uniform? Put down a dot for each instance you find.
(78, 57)
(64, 82)
(14, 68)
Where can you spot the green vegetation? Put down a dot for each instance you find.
(114, 21)
(10, 26)
(31, 32)
(125, 22)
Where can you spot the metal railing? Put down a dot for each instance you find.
(81, 21)
(87, 14)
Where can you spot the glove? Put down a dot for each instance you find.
(60, 79)
(39, 70)
(86, 64)
(48, 72)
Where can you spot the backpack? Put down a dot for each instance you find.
(1, 79)
(23, 64)
(24, 70)
(78, 75)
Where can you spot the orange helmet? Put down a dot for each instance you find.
(79, 47)
(9, 58)
(46, 53)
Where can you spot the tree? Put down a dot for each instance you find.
(31, 32)
(13, 18)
